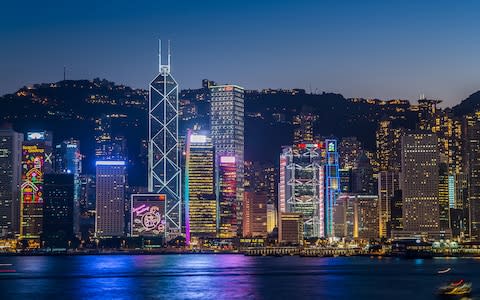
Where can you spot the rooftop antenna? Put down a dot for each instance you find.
(168, 62)
(64, 73)
(159, 55)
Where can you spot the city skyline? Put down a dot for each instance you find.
(368, 50)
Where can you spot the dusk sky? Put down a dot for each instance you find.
(370, 49)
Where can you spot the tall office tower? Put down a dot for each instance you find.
(87, 205)
(332, 183)
(388, 184)
(302, 186)
(58, 210)
(110, 198)
(36, 161)
(10, 178)
(363, 181)
(290, 228)
(309, 184)
(227, 128)
(200, 198)
(255, 214)
(343, 216)
(164, 172)
(366, 224)
(349, 150)
(388, 141)
(227, 221)
(458, 203)
(303, 123)
(472, 169)
(420, 183)
(444, 196)
(68, 160)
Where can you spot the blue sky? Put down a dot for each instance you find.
(375, 49)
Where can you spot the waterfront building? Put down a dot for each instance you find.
(388, 184)
(147, 217)
(227, 130)
(366, 223)
(110, 198)
(309, 185)
(255, 214)
(59, 210)
(227, 221)
(10, 180)
(420, 182)
(164, 171)
(68, 160)
(36, 162)
(200, 197)
(290, 228)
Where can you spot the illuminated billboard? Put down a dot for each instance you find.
(33, 159)
(148, 215)
(35, 135)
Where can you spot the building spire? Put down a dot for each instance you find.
(168, 62)
(159, 56)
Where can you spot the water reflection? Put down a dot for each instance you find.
(227, 277)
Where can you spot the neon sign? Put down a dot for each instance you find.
(148, 215)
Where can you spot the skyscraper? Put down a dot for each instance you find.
(302, 186)
(110, 198)
(227, 220)
(58, 210)
(227, 128)
(164, 172)
(36, 161)
(472, 168)
(388, 184)
(255, 214)
(10, 178)
(420, 183)
(68, 160)
(200, 198)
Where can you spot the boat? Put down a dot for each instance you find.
(444, 271)
(459, 288)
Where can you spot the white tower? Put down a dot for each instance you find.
(163, 148)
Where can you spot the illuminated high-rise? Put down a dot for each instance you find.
(388, 184)
(110, 198)
(164, 172)
(309, 185)
(227, 129)
(10, 178)
(420, 182)
(200, 198)
(68, 160)
(388, 142)
(472, 169)
(36, 161)
(227, 218)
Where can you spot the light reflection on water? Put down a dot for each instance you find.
(228, 277)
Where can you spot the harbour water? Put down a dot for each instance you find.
(228, 276)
